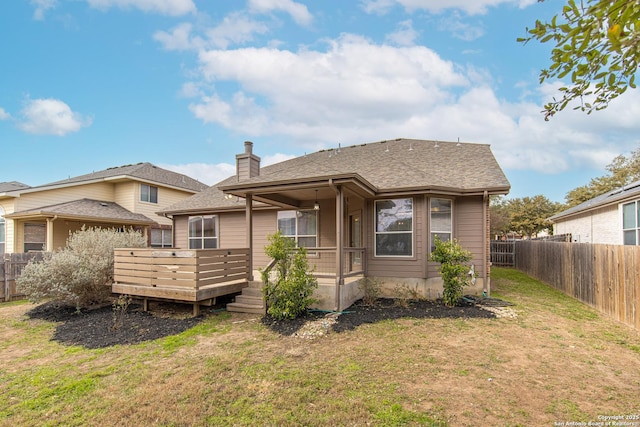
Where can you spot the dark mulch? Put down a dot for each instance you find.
(384, 309)
(97, 328)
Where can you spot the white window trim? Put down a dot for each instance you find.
(376, 232)
(163, 232)
(297, 236)
(636, 204)
(202, 238)
(150, 187)
(432, 230)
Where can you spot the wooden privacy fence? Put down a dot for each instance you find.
(502, 253)
(181, 275)
(606, 277)
(11, 266)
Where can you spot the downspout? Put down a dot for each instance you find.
(249, 225)
(486, 236)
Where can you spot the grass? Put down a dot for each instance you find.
(558, 361)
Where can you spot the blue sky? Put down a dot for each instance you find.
(91, 84)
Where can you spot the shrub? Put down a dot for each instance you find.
(80, 273)
(289, 287)
(452, 257)
(371, 290)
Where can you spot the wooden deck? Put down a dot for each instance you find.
(190, 276)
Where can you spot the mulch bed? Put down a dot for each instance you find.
(98, 328)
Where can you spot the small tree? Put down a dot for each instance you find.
(289, 287)
(455, 277)
(81, 273)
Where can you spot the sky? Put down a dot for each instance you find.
(90, 84)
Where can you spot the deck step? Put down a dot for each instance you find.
(250, 301)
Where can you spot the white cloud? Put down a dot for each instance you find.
(163, 7)
(405, 35)
(298, 11)
(357, 91)
(179, 38)
(470, 7)
(235, 28)
(456, 27)
(4, 115)
(50, 117)
(206, 173)
(41, 7)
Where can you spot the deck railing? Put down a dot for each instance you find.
(177, 272)
(323, 260)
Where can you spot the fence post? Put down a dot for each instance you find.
(5, 277)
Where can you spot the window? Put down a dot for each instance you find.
(148, 193)
(301, 226)
(35, 236)
(160, 238)
(203, 232)
(394, 227)
(441, 225)
(2, 232)
(631, 223)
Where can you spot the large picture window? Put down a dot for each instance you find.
(394, 227)
(148, 193)
(203, 232)
(441, 224)
(631, 223)
(302, 226)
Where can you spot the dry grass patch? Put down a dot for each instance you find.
(557, 361)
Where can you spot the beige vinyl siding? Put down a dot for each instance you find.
(96, 191)
(398, 266)
(126, 194)
(468, 228)
(166, 197)
(264, 224)
(181, 231)
(7, 207)
(233, 230)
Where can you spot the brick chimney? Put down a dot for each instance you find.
(247, 163)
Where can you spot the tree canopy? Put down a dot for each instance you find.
(526, 216)
(621, 171)
(597, 45)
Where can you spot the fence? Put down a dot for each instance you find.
(606, 277)
(11, 266)
(503, 253)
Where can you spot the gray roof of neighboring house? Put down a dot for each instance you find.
(88, 209)
(11, 186)
(396, 165)
(142, 171)
(614, 196)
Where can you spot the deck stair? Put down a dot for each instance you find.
(250, 301)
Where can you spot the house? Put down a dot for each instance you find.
(41, 218)
(611, 218)
(368, 211)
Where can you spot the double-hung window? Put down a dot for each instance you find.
(441, 220)
(394, 227)
(203, 232)
(631, 223)
(160, 238)
(148, 193)
(301, 226)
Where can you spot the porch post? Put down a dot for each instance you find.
(249, 220)
(49, 244)
(339, 244)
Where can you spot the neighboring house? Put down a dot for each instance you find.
(41, 218)
(369, 210)
(611, 218)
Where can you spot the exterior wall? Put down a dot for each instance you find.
(96, 191)
(469, 228)
(603, 226)
(7, 207)
(126, 194)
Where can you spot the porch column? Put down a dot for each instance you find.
(249, 220)
(339, 244)
(49, 244)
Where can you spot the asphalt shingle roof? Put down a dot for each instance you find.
(401, 164)
(613, 196)
(90, 209)
(143, 171)
(11, 186)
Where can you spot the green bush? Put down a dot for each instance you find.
(289, 286)
(454, 272)
(81, 273)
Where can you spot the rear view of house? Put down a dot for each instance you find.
(367, 211)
